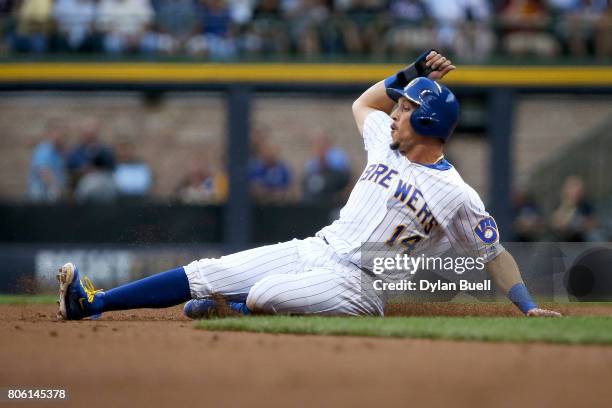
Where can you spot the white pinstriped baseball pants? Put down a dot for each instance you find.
(295, 277)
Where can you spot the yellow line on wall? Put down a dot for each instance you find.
(293, 73)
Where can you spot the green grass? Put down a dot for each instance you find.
(567, 330)
(27, 299)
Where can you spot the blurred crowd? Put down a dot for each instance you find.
(227, 29)
(90, 171)
(573, 220)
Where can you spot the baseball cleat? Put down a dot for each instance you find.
(207, 308)
(77, 297)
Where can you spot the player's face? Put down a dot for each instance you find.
(401, 129)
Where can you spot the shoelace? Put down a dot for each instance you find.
(90, 290)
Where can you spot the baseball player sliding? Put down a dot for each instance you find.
(408, 197)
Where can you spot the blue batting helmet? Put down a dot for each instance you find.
(437, 113)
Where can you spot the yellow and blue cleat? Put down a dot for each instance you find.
(207, 308)
(77, 297)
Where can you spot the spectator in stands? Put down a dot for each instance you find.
(603, 44)
(177, 23)
(133, 176)
(269, 176)
(306, 20)
(7, 23)
(526, 29)
(463, 27)
(574, 219)
(202, 185)
(216, 37)
(47, 180)
(241, 11)
(268, 33)
(259, 138)
(410, 29)
(528, 224)
(34, 25)
(327, 172)
(97, 184)
(126, 25)
(88, 147)
(583, 23)
(75, 22)
(363, 25)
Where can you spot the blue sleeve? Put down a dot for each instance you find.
(254, 171)
(519, 295)
(41, 156)
(74, 159)
(286, 176)
(337, 159)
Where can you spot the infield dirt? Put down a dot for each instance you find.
(155, 358)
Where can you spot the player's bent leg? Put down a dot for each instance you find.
(232, 276)
(319, 291)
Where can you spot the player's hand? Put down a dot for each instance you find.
(543, 313)
(440, 64)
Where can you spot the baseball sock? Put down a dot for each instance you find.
(161, 290)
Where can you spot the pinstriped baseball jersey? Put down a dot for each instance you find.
(411, 207)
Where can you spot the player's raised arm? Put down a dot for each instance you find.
(430, 64)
